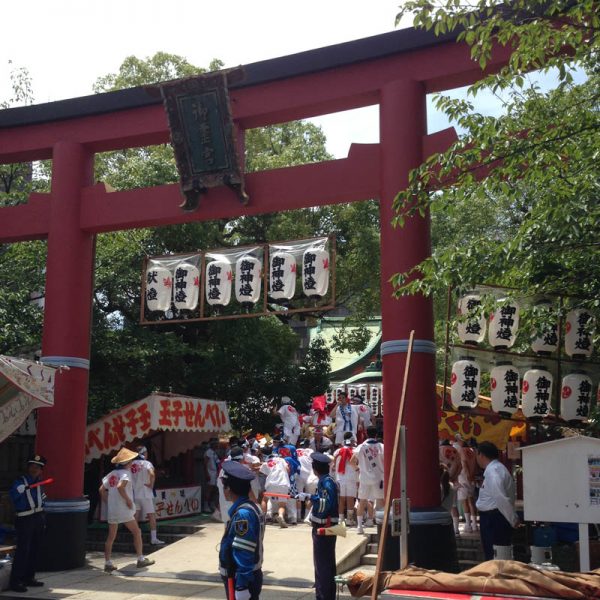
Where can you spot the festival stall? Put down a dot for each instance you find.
(24, 386)
(169, 426)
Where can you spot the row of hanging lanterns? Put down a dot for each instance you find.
(533, 393)
(181, 285)
(504, 325)
(371, 393)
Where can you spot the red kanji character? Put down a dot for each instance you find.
(189, 414)
(135, 467)
(113, 481)
(110, 438)
(170, 508)
(118, 426)
(165, 414)
(131, 416)
(199, 419)
(293, 267)
(160, 506)
(145, 417)
(325, 263)
(212, 414)
(176, 412)
(93, 438)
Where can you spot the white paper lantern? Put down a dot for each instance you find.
(248, 280)
(537, 393)
(578, 333)
(374, 394)
(315, 272)
(159, 288)
(219, 278)
(504, 324)
(471, 330)
(505, 388)
(362, 391)
(547, 341)
(282, 276)
(464, 383)
(186, 288)
(576, 396)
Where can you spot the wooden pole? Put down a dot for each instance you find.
(390, 481)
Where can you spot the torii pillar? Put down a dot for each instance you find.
(403, 127)
(66, 342)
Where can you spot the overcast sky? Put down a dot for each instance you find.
(67, 44)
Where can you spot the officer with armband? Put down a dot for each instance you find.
(324, 514)
(241, 552)
(28, 497)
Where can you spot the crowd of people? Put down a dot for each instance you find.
(473, 479)
(283, 465)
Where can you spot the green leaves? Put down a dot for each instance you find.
(533, 221)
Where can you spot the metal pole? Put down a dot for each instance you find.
(404, 505)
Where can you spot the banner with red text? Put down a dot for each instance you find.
(178, 502)
(158, 412)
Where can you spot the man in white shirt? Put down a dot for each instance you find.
(369, 458)
(496, 502)
(277, 485)
(116, 490)
(290, 420)
(346, 418)
(142, 478)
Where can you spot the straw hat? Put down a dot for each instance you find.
(123, 456)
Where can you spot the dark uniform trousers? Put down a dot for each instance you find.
(254, 587)
(29, 530)
(495, 530)
(324, 561)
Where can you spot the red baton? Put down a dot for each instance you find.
(45, 482)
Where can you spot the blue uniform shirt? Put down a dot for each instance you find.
(29, 501)
(325, 502)
(241, 550)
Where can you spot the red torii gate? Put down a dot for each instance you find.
(394, 70)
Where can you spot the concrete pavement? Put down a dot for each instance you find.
(188, 569)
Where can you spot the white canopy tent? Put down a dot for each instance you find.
(24, 386)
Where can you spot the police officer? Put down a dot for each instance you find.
(241, 552)
(28, 501)
(324, 514)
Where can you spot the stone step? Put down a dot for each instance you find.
(124, 540)
(120, 547)
(463, 565)
(469, 554)
(372, 547)
(94, 533)
(368, 559)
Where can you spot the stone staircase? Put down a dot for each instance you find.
(167, 532)
(468, 550)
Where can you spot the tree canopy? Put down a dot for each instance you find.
(533, 222)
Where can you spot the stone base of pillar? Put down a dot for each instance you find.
(63, 545)
(431, 542)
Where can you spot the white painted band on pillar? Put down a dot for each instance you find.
(66, 361)
(401, 346)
